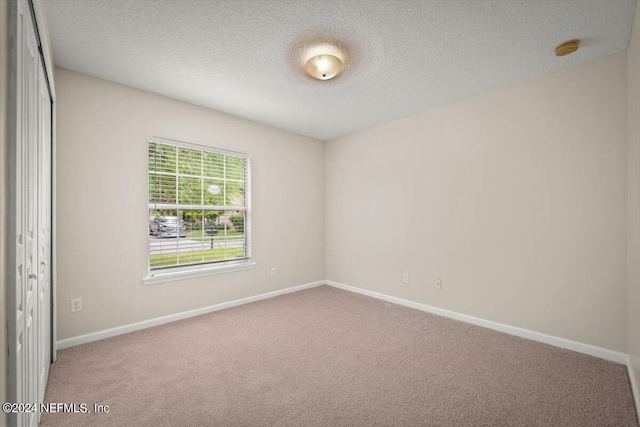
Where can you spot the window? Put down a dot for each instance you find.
(199, 216)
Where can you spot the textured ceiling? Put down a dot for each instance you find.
(242, 57)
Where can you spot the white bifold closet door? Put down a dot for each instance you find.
(30, 329)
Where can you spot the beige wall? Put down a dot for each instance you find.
(634, 196)
(102, 204)
(517, 199)
(4, 165)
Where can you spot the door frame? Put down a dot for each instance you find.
(47, 59)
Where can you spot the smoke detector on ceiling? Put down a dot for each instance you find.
(567, 47)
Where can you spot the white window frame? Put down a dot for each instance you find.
(189, 271)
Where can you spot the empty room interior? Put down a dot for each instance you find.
(320, 213)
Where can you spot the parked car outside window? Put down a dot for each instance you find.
(166, 226)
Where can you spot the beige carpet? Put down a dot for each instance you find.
(326, 357)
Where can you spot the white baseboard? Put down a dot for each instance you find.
(603, 353)
(634, 387)
(119, 330)
(591, 350)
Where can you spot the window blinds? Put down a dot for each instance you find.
(198, 205)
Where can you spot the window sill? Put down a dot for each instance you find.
(171, 276)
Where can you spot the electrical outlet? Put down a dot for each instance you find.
(439, 284)
(405, 278)
(76, 305)
(273, 271)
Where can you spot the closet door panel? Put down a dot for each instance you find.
(30, 289)
(17, 332)
(44, 233)
(30, 119)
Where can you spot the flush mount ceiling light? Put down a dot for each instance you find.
(567, 47)
(323, 62)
